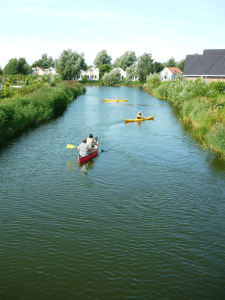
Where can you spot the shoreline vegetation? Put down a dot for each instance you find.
(120, 83)
(201, 106)
(34, 104)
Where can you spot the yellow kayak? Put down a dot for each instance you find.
(115, 100)
(138, 120)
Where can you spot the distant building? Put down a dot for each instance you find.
(210, 66)
(169, 73)
(41, 71)
(122, 73)
(91, 74)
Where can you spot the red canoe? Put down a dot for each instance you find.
(87, 158)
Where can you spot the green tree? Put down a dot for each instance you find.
(126, 60)
(45, 62)
(130, 72)
(112, 77)
(144, 66)
(12, 67)
(69, 64)
(17, 66)
(23, 67)
(102, 58)
(157, 67)
(181, 64)
(103, 69)
(171, 62)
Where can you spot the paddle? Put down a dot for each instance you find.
(69, 146)
(140, 111)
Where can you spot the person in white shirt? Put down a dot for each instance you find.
(84, 149)
(90, 141)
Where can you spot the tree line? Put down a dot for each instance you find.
(70, 63)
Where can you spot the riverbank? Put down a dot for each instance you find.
(200, 106)
(120, 83)
(20, 113)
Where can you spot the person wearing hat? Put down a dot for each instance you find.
(117, 98)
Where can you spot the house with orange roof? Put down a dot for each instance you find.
(169, 73)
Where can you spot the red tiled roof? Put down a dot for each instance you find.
(41, 69)
(174, 70)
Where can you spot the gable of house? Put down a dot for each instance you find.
(211, 63)
(169, 73)
(214, 62)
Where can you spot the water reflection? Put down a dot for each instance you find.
(70, 165)
(216, 164)
(86, 166)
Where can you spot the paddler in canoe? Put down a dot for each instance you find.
(91, 142)
(84, 149)
(117, 98)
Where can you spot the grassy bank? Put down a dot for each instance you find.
(20, 113)
(200, 105)
(120, 83)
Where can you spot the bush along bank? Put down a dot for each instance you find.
(200, 105)
(45, 103)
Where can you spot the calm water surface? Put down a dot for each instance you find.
(143, 220)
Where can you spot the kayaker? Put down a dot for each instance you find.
(84, 148)
(117, 98)
(90, 141)
(139, 116)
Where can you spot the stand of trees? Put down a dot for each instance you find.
(17, 66)
(45, 62)
(69, 64)
(102, 58)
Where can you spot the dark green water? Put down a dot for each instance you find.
(144, 220)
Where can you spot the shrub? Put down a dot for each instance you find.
(218, 86)
(152, 82)
(111, 78)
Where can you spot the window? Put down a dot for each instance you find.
(95, 76)
(88, 76)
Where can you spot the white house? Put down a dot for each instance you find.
(51, 71)
(40, 71)
(91, 74)
(122, 73)
(169, 73)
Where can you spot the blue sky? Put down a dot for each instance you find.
(30, 28)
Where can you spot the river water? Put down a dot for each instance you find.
(143, 220)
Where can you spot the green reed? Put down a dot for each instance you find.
(19, 113)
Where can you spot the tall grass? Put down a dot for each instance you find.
(17, 114)
(200, 105)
